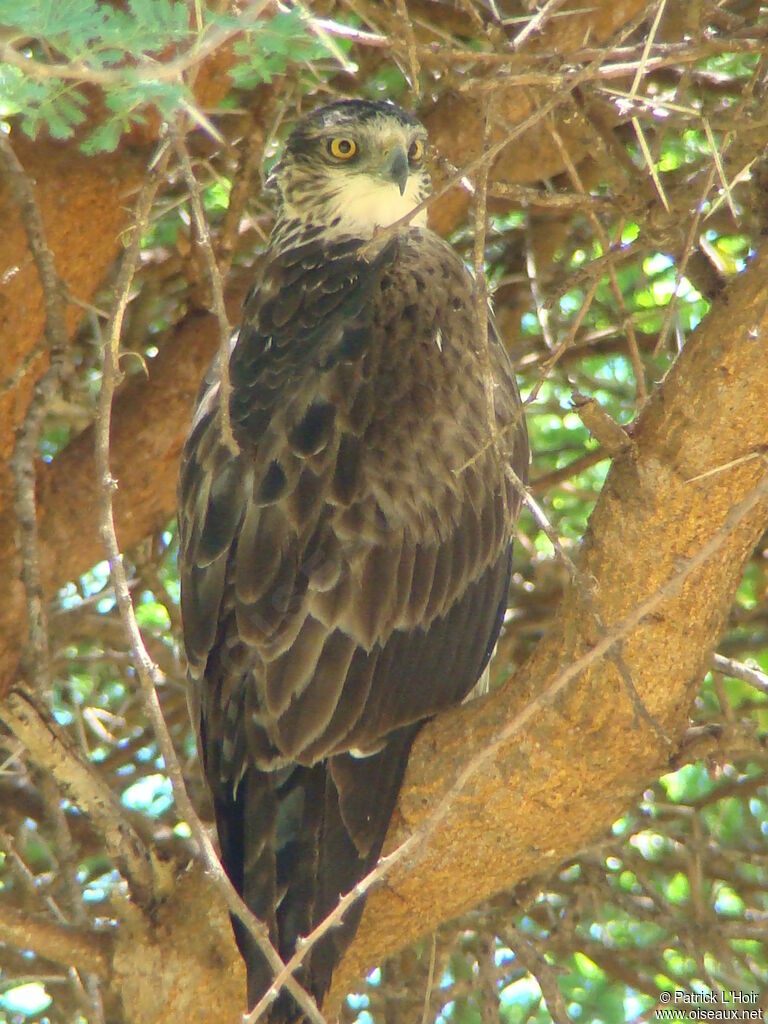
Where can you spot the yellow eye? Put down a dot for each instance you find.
(416, 152)
(342, 148)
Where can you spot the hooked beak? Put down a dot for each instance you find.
(396, 168)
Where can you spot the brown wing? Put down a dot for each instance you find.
(344, 575)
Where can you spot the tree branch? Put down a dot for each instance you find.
(89, 951)
(738, 670)
(25, 452)
(576, 763)
(23, 195)
(50, 748)
(149, 425)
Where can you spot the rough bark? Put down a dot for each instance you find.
(151, 419)
(85, 204)
(180, 967)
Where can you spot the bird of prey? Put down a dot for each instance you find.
(345, 563)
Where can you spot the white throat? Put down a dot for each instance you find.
(364, 203)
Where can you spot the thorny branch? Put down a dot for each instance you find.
(217, 287)
(148, 674)
(634, 350)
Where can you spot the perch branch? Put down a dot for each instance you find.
(666, 555)
(58, 942)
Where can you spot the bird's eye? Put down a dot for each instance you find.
(342, 148)
(416, 152)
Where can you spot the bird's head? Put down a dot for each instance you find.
(352, 167)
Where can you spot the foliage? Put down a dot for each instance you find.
(63, 48)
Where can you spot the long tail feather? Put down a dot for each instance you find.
(293, 842)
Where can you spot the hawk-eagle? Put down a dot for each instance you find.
(345, 566)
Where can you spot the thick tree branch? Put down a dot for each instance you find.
(25, 452)
(68, 186)
(581, 759)
(89, 951)
(150, 422)
(52, 750)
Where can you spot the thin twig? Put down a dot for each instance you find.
(650, 39)
(12, 381)
(536, 23)
(543, 523)
(326, 38)
(529, 956)
(217, 287)
(68, 863)
(410, 39)
(248, 167)
(481, 288)
(555, 355)
(26, 877)
(544, 483)
(650, 163)
(430, 981)
(688, 247)
(738, 670)
(542, 313)
(718, 162)
(147, 672)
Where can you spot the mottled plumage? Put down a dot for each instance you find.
(344, 573)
